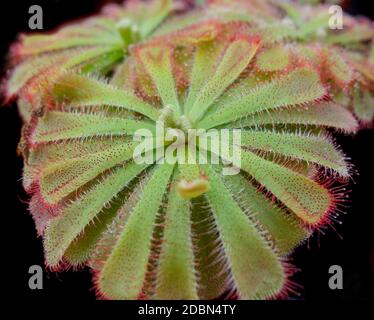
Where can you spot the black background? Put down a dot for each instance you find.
(353, 248)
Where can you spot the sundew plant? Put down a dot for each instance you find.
(274, 71)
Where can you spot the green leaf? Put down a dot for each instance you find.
(176, 273)
(311, 148)
(187, 30)
(235, 59)
(284, 228)
(358, 33)
(103, 63)
(339, 69)
(156, 12)
(321, 21)
(299, 87)
(84, 59)
(91, 247)
(56, 125)
(59, 179)
(108, 239)
(82, 91)
(273, 59)
(122, 275)
(325, 114)
(363, 104)
(62, 230)
(205, 59)
(309, 200)
(157, 61)
(80, 250)
(88, 33)
(256, 270)
(42, 154)
(292, 12)
(275, 32)
(212, 268)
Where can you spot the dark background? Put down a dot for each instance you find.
(351, 247)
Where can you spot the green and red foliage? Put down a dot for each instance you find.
(163, 231)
